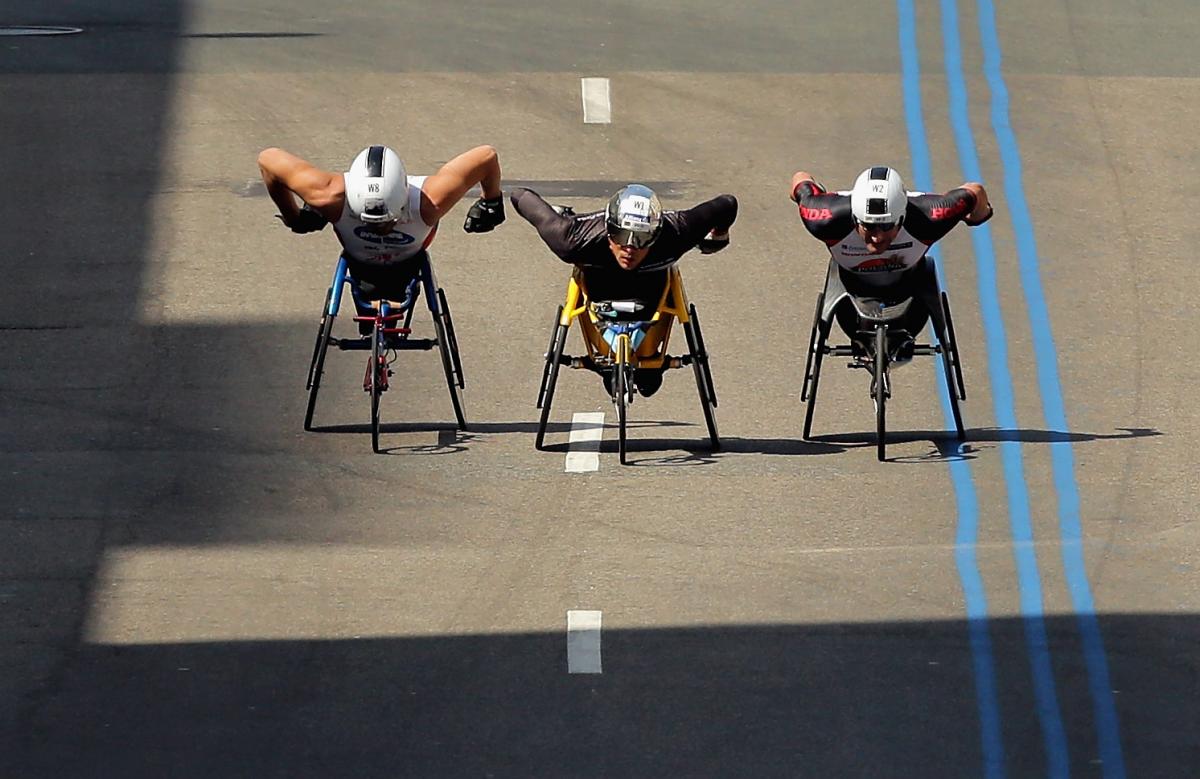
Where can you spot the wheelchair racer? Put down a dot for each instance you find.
(878, 234)
(384, 218)
(627, 250)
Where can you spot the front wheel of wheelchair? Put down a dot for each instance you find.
(377, 373)
(881, 390)
(620, 385)
(558, 342)
(812, 370)
(317, 365)
(704, 381)
(451, 364)
(955, 387)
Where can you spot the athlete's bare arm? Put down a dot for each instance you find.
(288, 177)
(445, 188)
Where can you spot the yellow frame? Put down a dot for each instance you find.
(671, 306)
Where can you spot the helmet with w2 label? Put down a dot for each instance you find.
(878, 198)
(634, 216)
(377, 186)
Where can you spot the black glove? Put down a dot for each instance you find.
(710, 245)
(306, 221)
(484, 215)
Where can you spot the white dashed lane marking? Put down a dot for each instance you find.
(596, 106)
(583, 455)
(583, 642)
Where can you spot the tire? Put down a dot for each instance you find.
(812, 348)
(952, 343)
(708, 403)
(818, 352)
(317, 366)
(378, 366)
(450, 365)
(453, 339)
(703, 353)
(881, 390)
(558, 341)
(446, 349)
(621, 388)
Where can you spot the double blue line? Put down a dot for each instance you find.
(1049, 716)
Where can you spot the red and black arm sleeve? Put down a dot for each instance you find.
(825, 214)
(930, 217)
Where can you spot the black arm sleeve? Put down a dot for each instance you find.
(694, 223)
(559, 232)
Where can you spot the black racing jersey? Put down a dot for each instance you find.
(926, 220)
(583, 240)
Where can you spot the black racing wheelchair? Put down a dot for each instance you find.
(882, 343)
(390, 333)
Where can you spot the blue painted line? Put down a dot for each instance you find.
(967, 532)
(1054, 738)
(1053, 407)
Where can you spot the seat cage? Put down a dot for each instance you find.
(424, 279)
(874, 311)
(672, 305)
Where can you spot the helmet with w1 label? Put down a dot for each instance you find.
(878, 197)
(377, 186)
(634, 216)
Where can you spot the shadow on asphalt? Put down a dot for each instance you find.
(947, 447)
(893, 699)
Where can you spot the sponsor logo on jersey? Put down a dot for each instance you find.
(392, 239)
(815, 213)
(937, 214)
(881, 264)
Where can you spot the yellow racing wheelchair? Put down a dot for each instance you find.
(621, 339)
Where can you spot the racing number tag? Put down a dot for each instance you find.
(636, 213)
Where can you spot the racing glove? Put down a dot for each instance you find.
(484, 215)
(307, 221)
(710, 245)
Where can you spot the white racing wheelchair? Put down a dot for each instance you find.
(882, 342)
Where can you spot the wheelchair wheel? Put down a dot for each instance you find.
(448, 347)
(812, 376)
(704, 382)
(881, 389)
(558, 341)
(317, 365)
(621, 390)
(950, 362)
(377, 381)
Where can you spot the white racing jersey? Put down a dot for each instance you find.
(405, 240)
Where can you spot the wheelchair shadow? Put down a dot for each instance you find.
(948, 448)
(674, 452)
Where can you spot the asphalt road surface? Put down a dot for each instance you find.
(192, 586)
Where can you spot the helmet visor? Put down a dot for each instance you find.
(877, 227)
(638, 239)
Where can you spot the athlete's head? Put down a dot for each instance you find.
(377, 188)
(634, 219)
(878, 202)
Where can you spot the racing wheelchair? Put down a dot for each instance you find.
(881, 342)
(621, 338)
(390, 333)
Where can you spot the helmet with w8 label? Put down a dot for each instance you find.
(377, 186)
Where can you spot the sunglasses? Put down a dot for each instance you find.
(877, 227)
(631, 238)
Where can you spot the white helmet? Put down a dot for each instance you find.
(634, 216)
(377, 186)
(878, 197)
